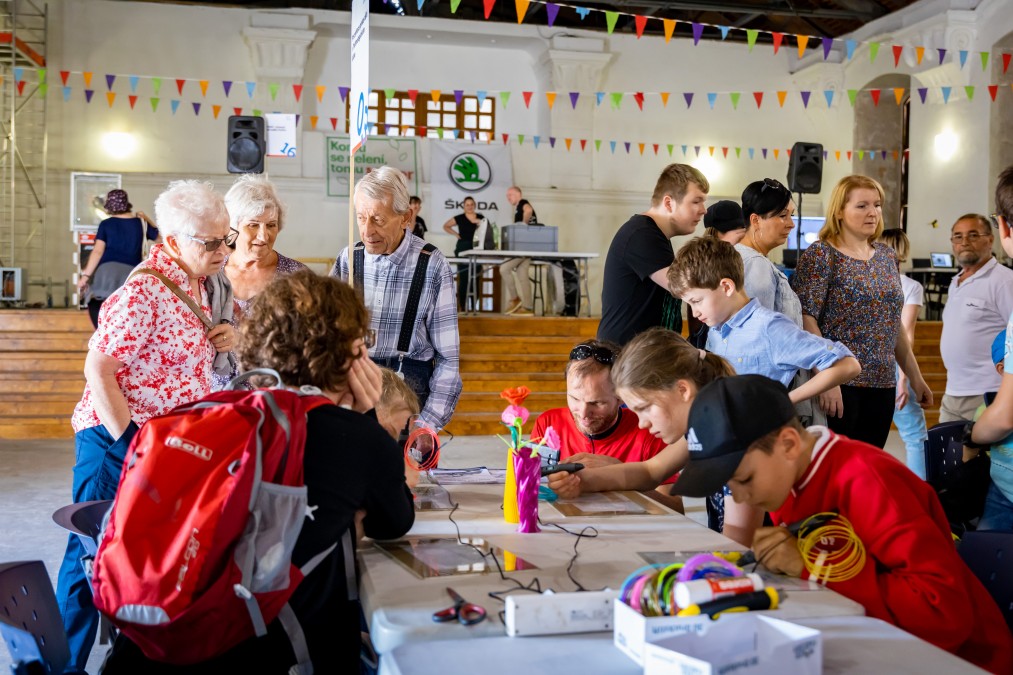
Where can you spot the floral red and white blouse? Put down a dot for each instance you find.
(162, 342)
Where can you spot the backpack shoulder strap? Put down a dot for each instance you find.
(177, 291)
(411, 309)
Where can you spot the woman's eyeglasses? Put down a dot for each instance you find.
(600, 354)
(212, 245)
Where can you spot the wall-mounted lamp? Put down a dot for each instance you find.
(119, 144)
(945, 145)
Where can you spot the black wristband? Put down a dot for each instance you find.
(966, 440)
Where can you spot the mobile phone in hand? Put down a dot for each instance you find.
(555, 468)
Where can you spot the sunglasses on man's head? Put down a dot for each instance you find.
(600, 354)
(212, 245)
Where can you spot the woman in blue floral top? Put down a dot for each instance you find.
(850, 291)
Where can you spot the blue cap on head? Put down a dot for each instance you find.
(999, 347)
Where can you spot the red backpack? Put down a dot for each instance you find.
(195, 556)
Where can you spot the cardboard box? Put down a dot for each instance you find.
(758, 645)
(530, 238)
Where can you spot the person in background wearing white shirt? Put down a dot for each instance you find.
(979, 302)
(909, 416)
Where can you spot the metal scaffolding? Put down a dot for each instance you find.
(23, 28)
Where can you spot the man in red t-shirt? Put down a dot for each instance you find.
(594, 429)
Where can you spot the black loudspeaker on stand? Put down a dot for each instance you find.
(805, 168)
(246, 144)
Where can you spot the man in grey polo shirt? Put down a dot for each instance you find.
(978, 306)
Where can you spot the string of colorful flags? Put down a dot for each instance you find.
(614, 98)
(802, 41)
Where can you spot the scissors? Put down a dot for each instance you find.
(467, 613)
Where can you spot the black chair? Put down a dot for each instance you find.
(990, 557)
(85, 520)
(961, 486)
(30, 620)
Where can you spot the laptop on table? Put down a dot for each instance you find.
(941, 260)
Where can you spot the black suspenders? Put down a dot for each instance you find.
(414, 292)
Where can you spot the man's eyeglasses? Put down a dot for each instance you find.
(600, 354)
(995, 220)
(970, 237)
(211, 245)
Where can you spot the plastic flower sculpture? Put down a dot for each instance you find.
(515, 416)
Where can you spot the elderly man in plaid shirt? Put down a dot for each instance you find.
(408, 288)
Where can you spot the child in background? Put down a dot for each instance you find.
(743, 432)
(397, 406)
(908, 416)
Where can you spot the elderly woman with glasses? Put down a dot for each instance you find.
(850, 291)
(256, 215)
(152, 351)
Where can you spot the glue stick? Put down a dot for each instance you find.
(699, 591)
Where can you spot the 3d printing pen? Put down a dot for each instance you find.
(555, 468)
(766, 599)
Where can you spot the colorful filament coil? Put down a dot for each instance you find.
(830, 548)
(424, 463)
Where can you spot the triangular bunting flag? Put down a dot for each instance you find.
(204, 88)
(610, 20)
(669, 146)
(829, 95)
(734, 96)
(537, 140)
(849, 46)
(897, 51)
(480, 95)
(778, 37)
(66, 93)
(343, 91)
(574, 95)
(898, 94)
(551, 11)
(861, 155)
(583, 144)
(272, 88)
(88, 93)
(752, 152)
(196, 108)
(919, 55)
(641, 147)
(984, 61)
(133, 100)
(522, 9)
(764, 151)
(684, 149)
(388, 94)
(156, 85)
(454, 4)
(296, 90)
(655, 146)
(21, 89)
(552, 142)
(993, 89)
(334, 123)
(627, 144)
(873, 51)
(64, 74)
(110, 95)
(664, 99)
(777, 151)
(320, 92)
(252, 86)
(612, 144)
(724, 35)
(488, 7)
(597, 145)
(697, 33)
(874, 93)
(837, 155)
(458, 96)
(527, 98)
(724, 151)
(640, 22)
(758, 97)
(412, 94)
(803, 42)
(712, 99)
(550, 98)
(969, 90)
(174, 104)
(669, 25)
(849, 155)
(239, 111)
(504, 96)
(227, 86)
(154, 104)
(738, 152)
(805, 98)
(946, 93)
(942, 55)
(689, 98)
(781, 96)
(697, 148)
(896, 155)
(109, 80)
(639, 98)
(963, 58)
(852, 95)
(506, 138)
(922, 93)
(828, 44)
(617, 99)
(1006, 56)
(179, 85)
(87, 78)
(215, 109)
(751, 35)
(582, 11)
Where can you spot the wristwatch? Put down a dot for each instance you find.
(966, 440)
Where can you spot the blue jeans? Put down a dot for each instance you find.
(998, 513)
(99, 462)
(910, 421)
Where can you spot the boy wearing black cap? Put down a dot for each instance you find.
(743, 432)
(724, 221)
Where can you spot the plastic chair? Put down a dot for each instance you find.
(30, 620)
(961, 486)
(944, 451)
(990, 557)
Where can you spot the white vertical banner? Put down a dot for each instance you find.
(281, 138)
(358, 105)
(459, 170)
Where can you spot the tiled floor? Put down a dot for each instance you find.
(35, 481)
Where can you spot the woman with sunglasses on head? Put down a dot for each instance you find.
(658, 375)
(256, 215)
(850, 290)
(150, 353)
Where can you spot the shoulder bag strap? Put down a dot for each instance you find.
(359, 253)
(194, 307)
(414, 295)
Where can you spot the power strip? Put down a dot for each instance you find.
(557, 613)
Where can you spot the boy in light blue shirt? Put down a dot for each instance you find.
(708, 275)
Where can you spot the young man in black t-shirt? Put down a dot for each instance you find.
(636, 268)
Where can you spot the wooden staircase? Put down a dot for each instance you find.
(42, 362)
